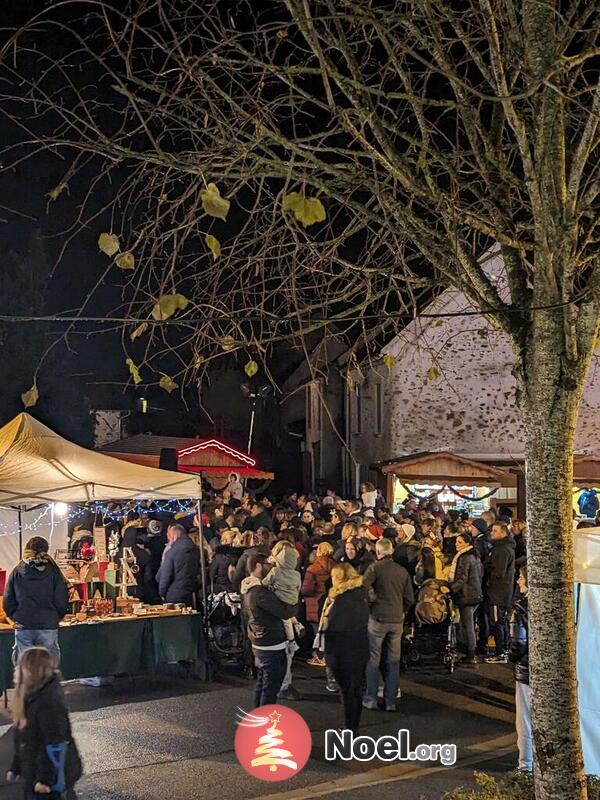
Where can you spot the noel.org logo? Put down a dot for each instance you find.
(272, 742)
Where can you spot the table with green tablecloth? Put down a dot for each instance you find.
(129, 646)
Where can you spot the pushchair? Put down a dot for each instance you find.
(225, 628)
(430, 632)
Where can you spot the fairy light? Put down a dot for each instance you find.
(56, 513)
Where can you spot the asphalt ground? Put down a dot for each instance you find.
(173, 737)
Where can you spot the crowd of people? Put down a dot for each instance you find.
(349, 573)
(336, 579)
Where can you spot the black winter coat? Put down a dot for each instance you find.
(390, 590)
(518, 648)
(466, 586)
(47, 724)
(520, 551)
(36, 596)
(155, 545)
(178, 575)
(265, 612)
(262, 520)
(499, 573)
(406, 554)
(218, 571)
(346, 634)
(145, 590)
(482, 546)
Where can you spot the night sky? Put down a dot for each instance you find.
(88, 371)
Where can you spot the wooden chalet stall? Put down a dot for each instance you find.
(445, 469)
(211, 458)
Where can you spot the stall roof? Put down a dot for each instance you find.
(442, 467)
(39, 466)
(206, 456)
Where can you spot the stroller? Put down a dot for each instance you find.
(225, 628)
(431, 629)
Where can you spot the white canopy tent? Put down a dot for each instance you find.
(38, 468)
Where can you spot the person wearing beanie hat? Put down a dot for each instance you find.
(36, 598)
(406, 551)
(481, 538)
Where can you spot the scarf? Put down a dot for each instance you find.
(454, 564)
(335, 591)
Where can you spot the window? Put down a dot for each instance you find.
(359, 409)
(378, 408)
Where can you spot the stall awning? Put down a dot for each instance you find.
(445, 468)
(200, 456)
(39, 466)
(586, 470)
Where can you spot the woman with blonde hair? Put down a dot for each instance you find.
(46, 759)
(349, 531)
(343, 626)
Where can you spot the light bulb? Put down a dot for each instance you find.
(61, 509)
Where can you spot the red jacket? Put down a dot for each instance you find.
(314, 586)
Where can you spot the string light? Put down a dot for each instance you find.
(62, 513)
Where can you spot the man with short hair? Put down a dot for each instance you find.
(390, 593)
(259, 518)
(36, 598)
(498, 587)
(265, 613)
(261, 545)
(178, 574)
(352, 508)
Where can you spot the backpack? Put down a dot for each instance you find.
(432, 607)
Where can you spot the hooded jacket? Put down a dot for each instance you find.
(284, 578)
(499, 573)
(178, 575)
(36, 596)
(47, 724)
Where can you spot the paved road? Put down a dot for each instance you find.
(174, 738)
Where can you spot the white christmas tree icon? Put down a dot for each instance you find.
(269, 752)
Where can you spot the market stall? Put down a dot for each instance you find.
(211, 458)
(121, 646)
(453, 479)
(40, 475)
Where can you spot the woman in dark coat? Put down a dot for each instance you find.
(219, 571)
(465, 576)
(356, 554)
(344, 625)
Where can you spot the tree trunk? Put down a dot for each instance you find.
(549, 404)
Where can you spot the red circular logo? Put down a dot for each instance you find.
(272, 742)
